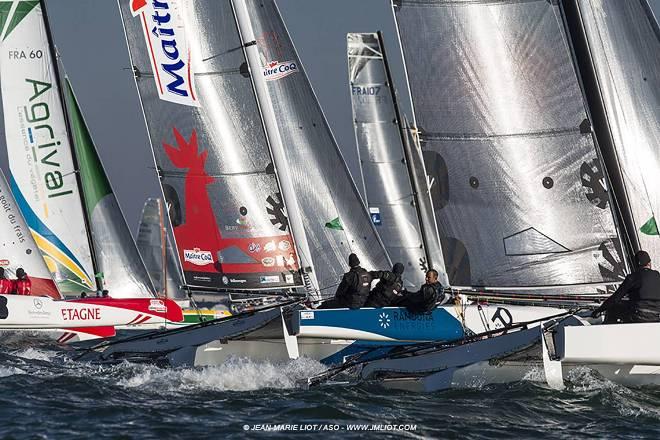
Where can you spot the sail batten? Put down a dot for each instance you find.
(518, 186)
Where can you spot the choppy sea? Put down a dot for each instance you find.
(45, 394)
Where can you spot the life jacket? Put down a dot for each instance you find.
(6, 286)
(24, 286)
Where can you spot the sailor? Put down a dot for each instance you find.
(389, 290)
(642, 288)
(353, 289)
(22, 285)
(6, 286)
(425, 299)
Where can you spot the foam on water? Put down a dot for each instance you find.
(237, 374)
(10, 371)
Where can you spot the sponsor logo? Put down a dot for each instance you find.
(165, 35)
(254, 247)
(291, 261)
(268, 261)
(225, 280)
(157, 305)
(284, 245)
(84, 314)
(375, 216)
(384, 320)
(4, 262)
(38, 304)
(270, 246)
(365, 91)
(237, 280)
(306, 315)
(288, 278)
(198, 257)
(269, 279)
(280, 260)
(276, 69)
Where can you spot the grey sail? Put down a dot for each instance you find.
(518, 187)
(335, 218)
(227, 214)
(624, 44)
(387, 187)
(155, 245)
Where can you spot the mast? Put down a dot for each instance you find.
(601, 128)
(274, 140)
(54, 55)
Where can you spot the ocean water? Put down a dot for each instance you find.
(44, 394)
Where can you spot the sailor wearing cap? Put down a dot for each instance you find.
(642, 289)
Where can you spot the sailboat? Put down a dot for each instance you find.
(254, 134)
(533, 197)
(44, 309)
(56, 174)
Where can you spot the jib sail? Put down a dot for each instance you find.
(155, 246)
(226, 208)
(623, 41)
(519, 190)
(117, 259)
(388, 186)
(335, 219)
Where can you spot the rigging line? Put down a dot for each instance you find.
(550, 132)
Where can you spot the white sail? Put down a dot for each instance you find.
(41, 163)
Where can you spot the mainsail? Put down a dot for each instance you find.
(518, 186)
(227, 212)
(389, 189)
(335, 219)
(19, 248)
(155, 246)
(57, 175)
(43, 175)
(623, 42)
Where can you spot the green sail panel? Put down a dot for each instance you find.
(650, 227)
(117, 257)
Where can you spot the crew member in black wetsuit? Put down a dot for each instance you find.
(425, 299)
(642, 288)
(353, 289)
(389, 290)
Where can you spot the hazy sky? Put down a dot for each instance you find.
(90, 39)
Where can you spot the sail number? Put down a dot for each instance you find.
(24, 55)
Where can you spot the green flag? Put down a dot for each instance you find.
(335, 224)
(650, 227)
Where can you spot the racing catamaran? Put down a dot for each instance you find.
(553, 205)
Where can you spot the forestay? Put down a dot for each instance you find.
(386, 184)
(518, 188)
(624, 43)
(43, 176)
(229, 220)
(335, 219)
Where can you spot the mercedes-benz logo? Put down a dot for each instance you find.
(38, 303)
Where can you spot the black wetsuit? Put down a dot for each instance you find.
(643, 291)
(388, 290)
(353, 290)
(424, 300)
